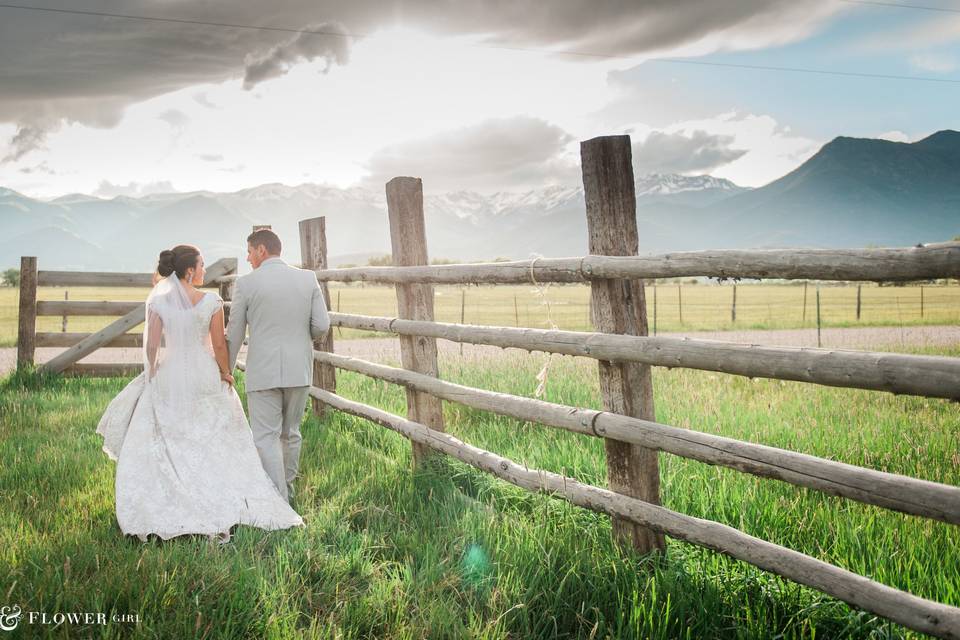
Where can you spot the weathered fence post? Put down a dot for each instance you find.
(803, 320)
(680, 302)
(921, 301)
(408, 242)
(313, 256)
(226, 288)
(27, 323)
(819, 344)
(733, 306)
(63, 324)
(858, 301)
(463, 310)
(654, 307)
(619, 307)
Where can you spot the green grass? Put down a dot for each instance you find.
(454, 553)
(704, 306)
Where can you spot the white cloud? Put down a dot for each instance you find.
(493, 155)
(771, 150)
(894, 136)
(679, 152)
(400, 85)
(132, 189)
(935, 62)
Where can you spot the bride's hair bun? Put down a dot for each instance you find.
(166, 266)
(178, 260)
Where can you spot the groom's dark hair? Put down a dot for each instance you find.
(269, 240)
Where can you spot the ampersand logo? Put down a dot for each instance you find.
(10, 617)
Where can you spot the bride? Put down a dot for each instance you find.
(186, 459)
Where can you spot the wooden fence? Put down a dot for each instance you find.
(625, 354)
(80, 345)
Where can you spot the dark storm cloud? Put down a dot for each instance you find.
(85, 68)
(175, 118)
(26, 139)
(43, 167)
(699, 152)
(496, 154)
(302, 47)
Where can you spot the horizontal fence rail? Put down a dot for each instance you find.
(93, 279)
(59, 339)
(897, 492)
(906, 609)
(935, 260)
(928, 376)
(86, 307)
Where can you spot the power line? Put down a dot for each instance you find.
(882, 76)
(877, 3)
(126, 16)
(756, 67)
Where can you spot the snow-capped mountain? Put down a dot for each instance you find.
(853, 192)
(123, 232)
(87, 232)
(660, 184)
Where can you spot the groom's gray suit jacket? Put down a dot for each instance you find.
(285, 309)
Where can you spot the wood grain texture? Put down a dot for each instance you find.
(933, 260)
(95, 340)
(911, 611)
(408, 242)
(94, 279)
(889, 490)
(60, 339)
(619, 307)
(313, 256)
(898, 373)
(27, 312)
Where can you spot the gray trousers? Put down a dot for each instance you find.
(275, 416)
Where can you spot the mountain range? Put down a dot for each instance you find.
(854, 192)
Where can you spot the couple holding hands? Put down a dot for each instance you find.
(188, 460)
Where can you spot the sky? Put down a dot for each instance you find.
(484, 96)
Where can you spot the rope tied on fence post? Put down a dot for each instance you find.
(533, 276)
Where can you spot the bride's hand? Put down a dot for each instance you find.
(228, 378)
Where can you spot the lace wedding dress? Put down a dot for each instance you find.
(186, 459)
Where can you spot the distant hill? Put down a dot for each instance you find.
(854, 192)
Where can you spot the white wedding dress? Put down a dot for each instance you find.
(186, 459)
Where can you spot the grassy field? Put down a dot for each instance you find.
(457, 554)
(703, 306)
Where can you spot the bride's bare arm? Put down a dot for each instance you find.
(220, 345)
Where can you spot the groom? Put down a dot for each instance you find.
(285, 310)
